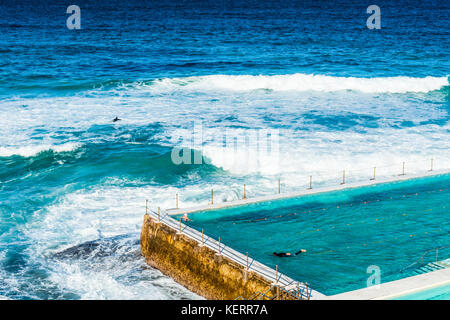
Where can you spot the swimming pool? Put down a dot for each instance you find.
(344, 232)
(436, 293)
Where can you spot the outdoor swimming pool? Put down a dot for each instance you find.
(344, 232)
(436, 293)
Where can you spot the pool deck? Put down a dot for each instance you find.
(221, 205)
(397, 288)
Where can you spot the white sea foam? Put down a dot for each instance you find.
(32, 150)
(97, 215)
(325, 154)
(302, 82)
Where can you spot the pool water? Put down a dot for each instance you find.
(437, 293)
(344, 232)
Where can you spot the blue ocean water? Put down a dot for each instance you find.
(73, 183)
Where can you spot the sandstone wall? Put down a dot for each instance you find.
(196, 267)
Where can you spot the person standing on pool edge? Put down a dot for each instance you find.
(288, 254)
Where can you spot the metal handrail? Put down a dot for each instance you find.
(259, 293)
(297, 292)
(280, 279)
(436, 250)
(256, 294)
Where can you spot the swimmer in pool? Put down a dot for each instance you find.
(288, 254)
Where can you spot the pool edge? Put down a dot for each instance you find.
(397, 288)
(240, 202)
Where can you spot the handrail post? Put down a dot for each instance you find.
(310, 182)
(244, 192)
(431, 168)
(307, 291)
(343, 177)
(146, 206)
(247, 261)
(177, 201)
(373, 178)
(219, 246)
(403, 169)
(279, 185)
(276, 274)
(277, 293)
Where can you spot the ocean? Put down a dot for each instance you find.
(73, 183)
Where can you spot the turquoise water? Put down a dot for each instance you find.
(344, 232)
(338, 95)
(438, 293)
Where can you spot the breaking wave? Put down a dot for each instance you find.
(302, 82)
(32, 150)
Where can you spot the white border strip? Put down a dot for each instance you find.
(398, 288)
